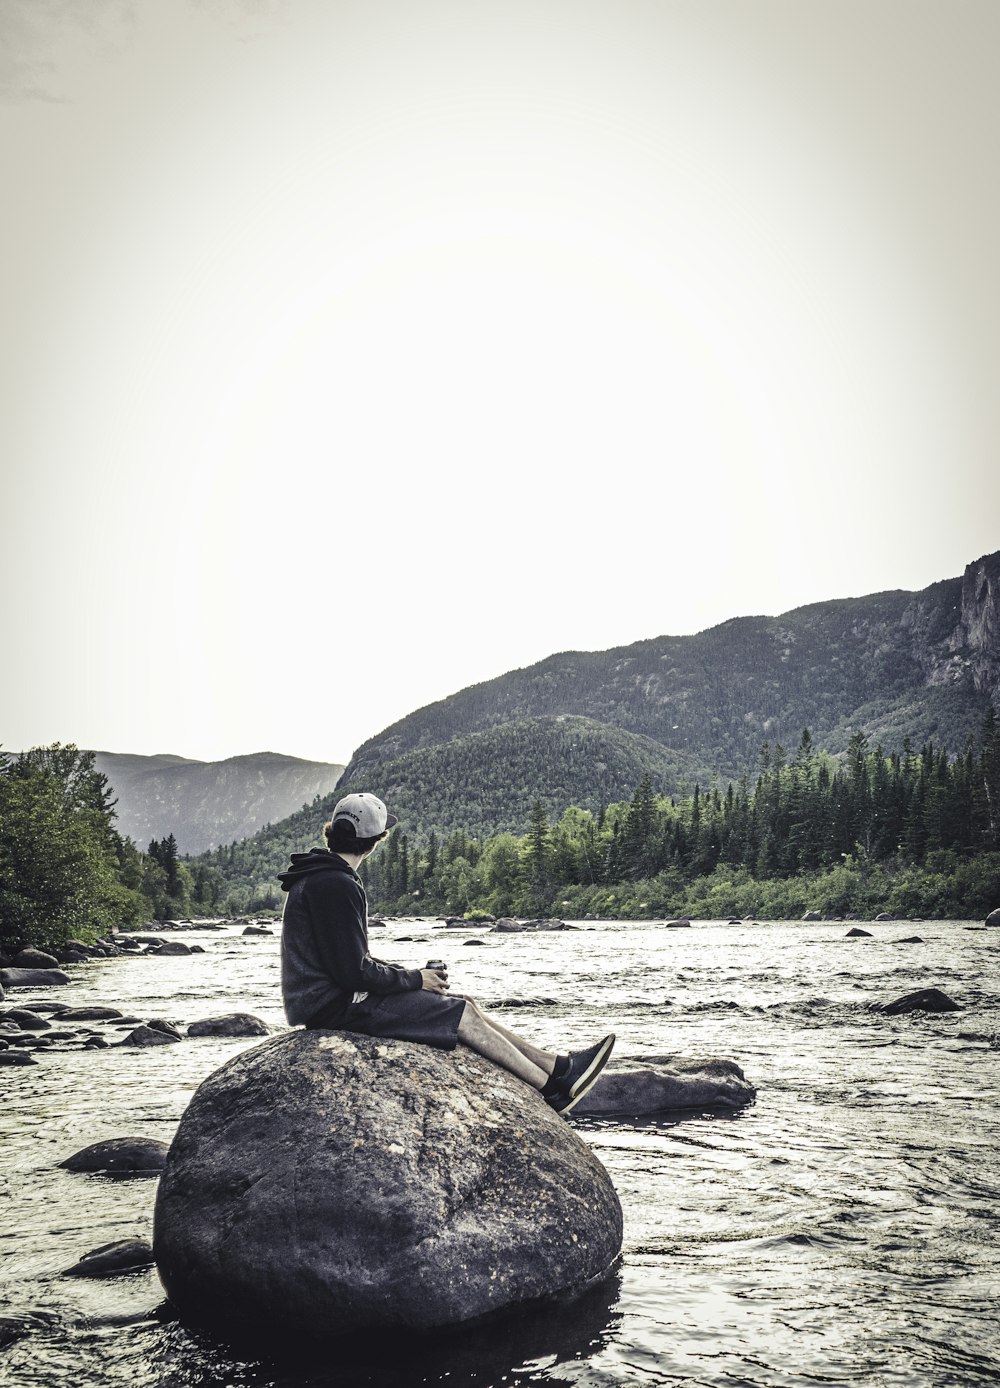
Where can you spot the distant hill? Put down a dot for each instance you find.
(895, 665)
(204, 804)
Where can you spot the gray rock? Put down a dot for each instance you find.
(856, 933)
(168, 1028)
(263, 930)
(27, 1021)
(34, 959)
(910, 940)
(148, 1036)
(232, 1024)
(123, 1155)
(507, 925)
(32, 978)
(475, 941)
(885, 916)
(17, 1057)
(324, 1181)
(676, 924)
(677, 1084)
(812, 916)
(924, 1000)
(172, 947)
(993, 918)
(112, 1259)
(90, 1014)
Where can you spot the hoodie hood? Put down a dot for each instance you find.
(308, 864)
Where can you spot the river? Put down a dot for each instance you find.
(843, 1229)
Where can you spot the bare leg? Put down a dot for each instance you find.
(545, 1060)
(480, 1035)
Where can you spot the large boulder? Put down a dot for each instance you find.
(34, 959)
(324, 1182)
(994, 917)
(32, 978)
(665, 1083)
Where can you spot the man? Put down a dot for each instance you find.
(329, 979)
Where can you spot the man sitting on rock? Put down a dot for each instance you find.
(329, 979)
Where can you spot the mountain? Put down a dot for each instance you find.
(207, 803)
(922, 665)
(486, 782)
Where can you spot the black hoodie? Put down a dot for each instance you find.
(324, 942)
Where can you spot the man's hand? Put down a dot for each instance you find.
(434, 980)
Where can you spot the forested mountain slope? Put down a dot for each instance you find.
(894, 665)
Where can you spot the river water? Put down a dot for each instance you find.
(844, 1229)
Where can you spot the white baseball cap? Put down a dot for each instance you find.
(365, 813)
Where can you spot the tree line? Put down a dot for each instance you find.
(915, 832)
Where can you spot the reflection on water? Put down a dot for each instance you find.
(843, 1230)
(512, 1349)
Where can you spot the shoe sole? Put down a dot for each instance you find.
(590, 1076)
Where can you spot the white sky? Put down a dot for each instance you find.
(514, 327)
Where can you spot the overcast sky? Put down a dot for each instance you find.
(351, 353)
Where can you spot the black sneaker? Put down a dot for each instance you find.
(584, 1069)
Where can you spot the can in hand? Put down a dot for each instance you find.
(436, 964)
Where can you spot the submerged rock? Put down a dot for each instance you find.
(232, 1024)
(91, 1014)
(112, 1259)
(324, 1182)
(19, 1324)
(667, 1083)
(122, 1155)
(12, 1057)
(924, 1000)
